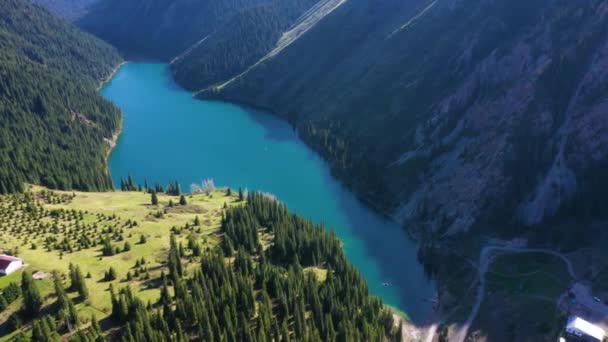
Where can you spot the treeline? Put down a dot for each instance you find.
(258, 285)
(173, 188)
(265, 294)
(53, 122)
(59, 318)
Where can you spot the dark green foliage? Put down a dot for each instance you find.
(154, 198)
(258, 294)
(182, 200)
(77, 282)
(53, 122)
(128, 184)
(218, 302)
(92, 334)
(135, 26)
(110, 274)
(240, 42)
(363, 90)
(108, 249)
(66, 312)
(9, 295)
(44, 330)
(174, 189)
(32, 300)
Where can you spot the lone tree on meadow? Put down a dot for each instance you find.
(154, 198)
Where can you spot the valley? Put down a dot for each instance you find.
(241, 147)
(453, 152)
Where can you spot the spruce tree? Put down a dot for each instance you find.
(32, 300)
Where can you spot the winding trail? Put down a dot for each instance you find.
(486, 257)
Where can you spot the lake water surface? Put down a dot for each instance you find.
(168, 135)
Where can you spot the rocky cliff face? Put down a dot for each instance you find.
(452, 113)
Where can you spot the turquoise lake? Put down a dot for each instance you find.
(168, 135)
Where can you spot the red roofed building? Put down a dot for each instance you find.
(9, 264)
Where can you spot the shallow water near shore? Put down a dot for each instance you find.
(168, 135)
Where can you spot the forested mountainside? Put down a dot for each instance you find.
(53, 122)
(222, 36)
(239, 43)
(68, 9)
(451, 114)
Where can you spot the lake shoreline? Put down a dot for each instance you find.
(268, 144)
(209, 95)
(108, 78)
(113, 140)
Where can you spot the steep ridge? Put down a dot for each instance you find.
(53, 122)
(449, 114)
(236, 45)
(69, 9)
(166, 29)
(305, 23)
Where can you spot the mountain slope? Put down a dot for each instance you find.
(461, 113)
(165, 29)
(237, 44)
(207, 41)
(68, 9)
(53, 121)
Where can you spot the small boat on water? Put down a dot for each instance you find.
(387, 284)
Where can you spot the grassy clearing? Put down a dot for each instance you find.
(93, 214)
(320, 273)
(521, 297)
(528, 274)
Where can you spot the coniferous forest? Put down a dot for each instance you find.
(53, 122)
(264, 293)
(270, 276)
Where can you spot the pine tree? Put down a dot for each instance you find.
(32, 300)
(182, 200)
(154, 199)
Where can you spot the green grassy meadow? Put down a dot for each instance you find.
(128, 215)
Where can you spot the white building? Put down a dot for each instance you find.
(584, 330)
(9, 264)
